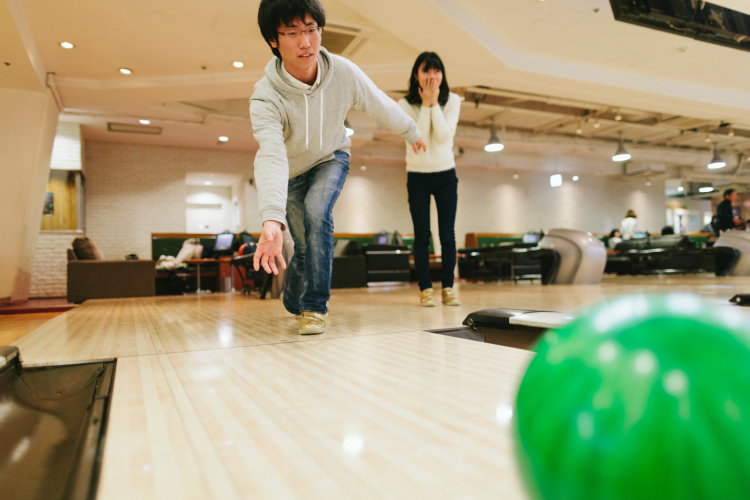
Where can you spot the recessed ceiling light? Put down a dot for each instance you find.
(597, 124)
(648, 183)
(618, 116)
(555, 180)
(705, 189)
(125, 71)
(144, 122)
(363, 167)
(515, 176)
(238, 64)
(680, 188)
(223, 138)
(66, 45)
(208, 183)
(575, 178)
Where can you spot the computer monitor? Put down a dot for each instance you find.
(640, 235)
(223, 242)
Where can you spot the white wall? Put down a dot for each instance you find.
(492, 201)
(28, 121)
(208, 206)
(695, 211)
(134, 190)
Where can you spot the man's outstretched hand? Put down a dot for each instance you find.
(419, 145)
(269, 248)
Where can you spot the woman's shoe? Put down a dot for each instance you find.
(449, 298)
(426, 298)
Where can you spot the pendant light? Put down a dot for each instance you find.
(622, 153)
(495, 144)
(716, 162)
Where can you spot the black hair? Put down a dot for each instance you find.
(612, 233)
(728, 192)
(274, 13)
(667, 230)
(431, 61)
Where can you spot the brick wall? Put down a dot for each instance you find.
(133, 190)
(49, 275)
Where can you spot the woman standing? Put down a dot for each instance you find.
(629, 225)
(435, 109)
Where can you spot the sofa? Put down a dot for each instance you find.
(98, 278)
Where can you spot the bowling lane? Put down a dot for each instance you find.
(405, 415)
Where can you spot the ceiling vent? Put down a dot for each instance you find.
(640, 169)
(344, 40)
(133, 129)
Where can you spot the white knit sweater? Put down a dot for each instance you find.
(437, 125)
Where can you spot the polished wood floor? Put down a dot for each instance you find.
(219, 397)
(15, 326)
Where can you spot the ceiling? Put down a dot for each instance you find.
(544, 70)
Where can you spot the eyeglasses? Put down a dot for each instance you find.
(295, 34)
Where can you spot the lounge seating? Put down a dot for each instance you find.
(109, 279)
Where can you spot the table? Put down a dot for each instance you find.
(197, 263)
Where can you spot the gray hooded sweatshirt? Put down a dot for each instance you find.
(298, 129)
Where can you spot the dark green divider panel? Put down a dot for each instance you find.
(496, 241)
(408, 241)
(700, 240)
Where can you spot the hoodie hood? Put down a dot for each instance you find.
(279, 82)
(281, 85)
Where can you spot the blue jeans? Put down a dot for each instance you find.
(444, 187)
(309, 215)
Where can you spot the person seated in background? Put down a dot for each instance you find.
(711, 226)
(615, 237)
(667, 230)
(629, 225)
(725, 214)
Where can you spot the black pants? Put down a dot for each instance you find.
(444, 187)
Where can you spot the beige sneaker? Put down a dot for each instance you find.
(426, 299)
(312, 323)
(449, 298)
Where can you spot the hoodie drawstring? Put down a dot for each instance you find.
(307, 124)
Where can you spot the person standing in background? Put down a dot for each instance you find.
(725, 219)
(435, 109)
(629, 225)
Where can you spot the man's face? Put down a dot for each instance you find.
(733, 197)
(296, 45)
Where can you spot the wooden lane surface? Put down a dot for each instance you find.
(157, 325)
(407, 415)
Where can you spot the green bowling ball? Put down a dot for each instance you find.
(643, 398)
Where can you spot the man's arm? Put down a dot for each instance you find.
(271, 163)
(374, 102)
(272, 181)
